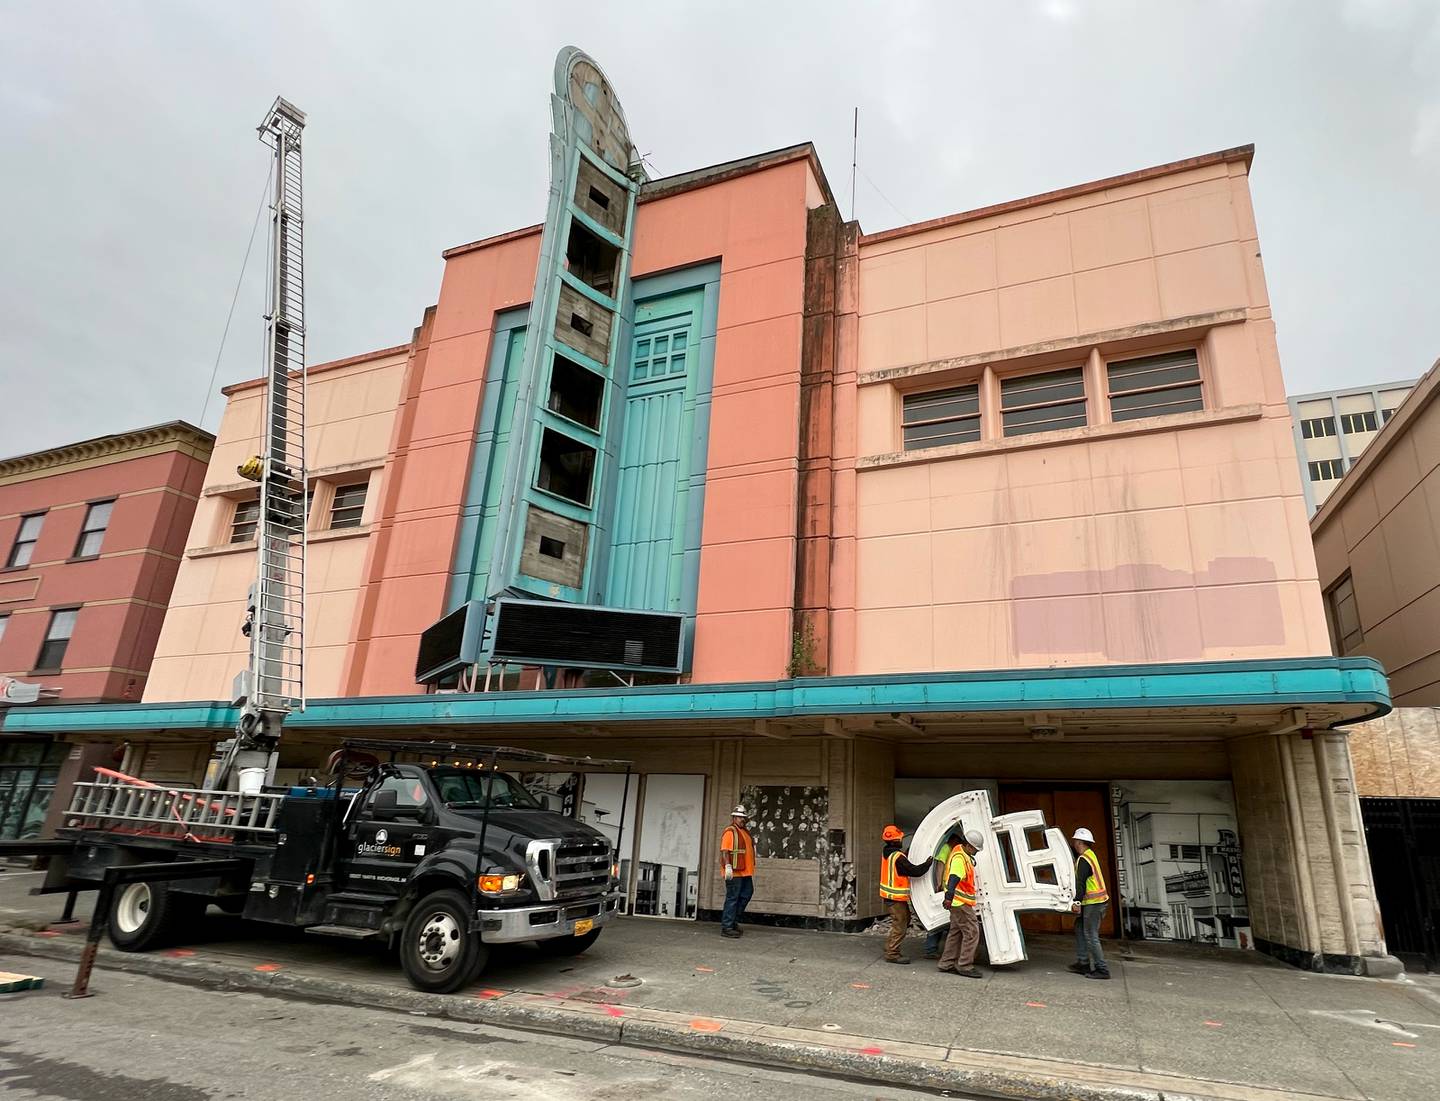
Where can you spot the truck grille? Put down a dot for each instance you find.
(581, 868)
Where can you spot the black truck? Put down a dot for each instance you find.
(439, 849)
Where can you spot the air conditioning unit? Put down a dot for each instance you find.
(546, 632)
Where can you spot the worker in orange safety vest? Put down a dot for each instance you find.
(895, 873)
(961, 896)
(737, 864)
(1091, 902)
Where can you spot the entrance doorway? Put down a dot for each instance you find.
(28, 774)
(1403, 836)
(1067, 808)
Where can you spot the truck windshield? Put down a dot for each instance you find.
(463, 789)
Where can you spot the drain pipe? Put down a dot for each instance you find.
(1322, 741)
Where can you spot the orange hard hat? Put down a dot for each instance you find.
(892, 833)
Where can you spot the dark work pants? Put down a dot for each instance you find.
(1087, 937)
(737, 896)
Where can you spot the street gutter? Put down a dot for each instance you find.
(918, 1066)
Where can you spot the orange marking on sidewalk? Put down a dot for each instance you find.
(614, 1012)
(1400, 1043)
(1214, 1024)
(703, 1024)
(487, 994)
(269, 967)
(180, 953)
(859, 986)
(707, 970)
(48, 933)
(872, 1051)
(1037, 1005)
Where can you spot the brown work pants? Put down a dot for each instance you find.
(899, 922)
(963, 940)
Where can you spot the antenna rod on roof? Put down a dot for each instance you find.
(854, 161)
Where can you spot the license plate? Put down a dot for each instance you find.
(583, 926)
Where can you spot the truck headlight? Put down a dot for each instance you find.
(499, 884)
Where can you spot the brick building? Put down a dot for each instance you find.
(91, 535)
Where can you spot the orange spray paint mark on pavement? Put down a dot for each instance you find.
(1214, 1024)
(1037, 1005)
(180, 953)
(707, 970)
(704, 1024)
(269, 967)
(872, 1051)
(488, 994)
(859, 986)
(613, 1011)
(1400, 1043)
(47, 932)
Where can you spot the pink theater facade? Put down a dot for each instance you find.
(1007, 499)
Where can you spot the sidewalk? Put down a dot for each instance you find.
(1175, 1021)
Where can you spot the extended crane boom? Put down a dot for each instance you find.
(274, 683)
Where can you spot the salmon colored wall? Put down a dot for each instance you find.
(123, 591)
(1167, 539)
(755, 225)
(350, 409)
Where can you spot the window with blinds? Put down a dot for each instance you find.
(245, 520)
(347, 507)
(1155, 386)
(1044, 402)
(941, 417)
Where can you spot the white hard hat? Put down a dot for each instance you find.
(1082, 834)
(740, 812)
(974, 839)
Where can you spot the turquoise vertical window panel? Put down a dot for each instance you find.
(654, 479)
(478, 524)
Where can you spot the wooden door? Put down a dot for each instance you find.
(1067, 809)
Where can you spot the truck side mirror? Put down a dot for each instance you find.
(384, 805)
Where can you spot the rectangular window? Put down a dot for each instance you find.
(566, 467)
(57, 638)
(92, 532)
(941, 417)
(1043, 403)
(25, 539)
(1386, 414)
(1154, 386)
(4, 619)
(1358, 422)
(576, 393)
(1316, 427)
(1326, 470)
(245, 520)
(1344, 616)
(348, 505)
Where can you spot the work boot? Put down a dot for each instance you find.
(973, 973)
(946, 970)
(1097, 974)
(932, 955)
(896, 959)
(733, 934)
(1079, 968)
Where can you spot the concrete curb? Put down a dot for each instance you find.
(850, 1057)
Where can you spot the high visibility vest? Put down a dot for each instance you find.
(961, 865)
(893, 885)
(942, 857)
(740, 847)
(1089, 866)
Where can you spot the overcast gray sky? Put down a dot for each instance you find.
(131, 172)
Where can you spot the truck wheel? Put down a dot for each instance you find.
(437, 950)
(144, 915)
(568, 946)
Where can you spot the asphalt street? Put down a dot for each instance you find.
(148, 1040)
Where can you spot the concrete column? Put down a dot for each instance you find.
(990, 426)
(1097, 387)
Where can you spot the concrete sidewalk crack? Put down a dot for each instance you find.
(1354, 1085)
